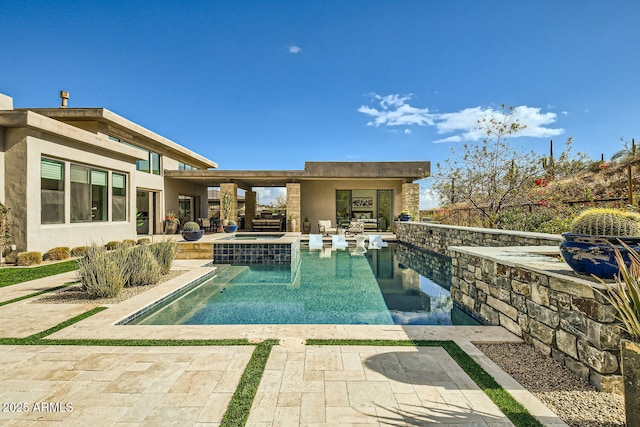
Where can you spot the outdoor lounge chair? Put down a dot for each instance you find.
(376, 242)
(315, 242)
(205, 224)
(338, 241)
(355, 227)
(325, 228)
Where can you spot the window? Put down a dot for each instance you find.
(88, 194)
(80, 193)
(98, 195)
(184, 166)
(155, 163)
(119, 197)
(152, 162)
(51, 191)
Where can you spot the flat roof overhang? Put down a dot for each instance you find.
(152, 139)
(313, 171)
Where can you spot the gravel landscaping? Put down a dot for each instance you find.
(571, 398)
(75, 295)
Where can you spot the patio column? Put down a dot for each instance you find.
(411, 199)
(293, 206)
(249, 209)
(232, 189)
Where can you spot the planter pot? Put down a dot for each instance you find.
(630, 356)
(405, 217)
(192, 236)
(306, 227)
(230, 228)
(589, 255)
(170, 227)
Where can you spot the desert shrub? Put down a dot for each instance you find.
(113, 245)
(57, 254)
(143, 241)
(29, 258)
(129, 242)
(102, 274)
(142, 267)
(164, 252)
(79, 250)
(191, 226)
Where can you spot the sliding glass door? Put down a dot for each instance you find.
(385, 209)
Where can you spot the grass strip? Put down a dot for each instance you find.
(35, 294)
(238, 410)
(516, 413)
(12, 275)
(68, 322)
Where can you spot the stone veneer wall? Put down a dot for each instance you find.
(437, 237)
(561, 316)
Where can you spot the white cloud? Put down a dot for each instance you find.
(295, 49)
(429, 198)
(465, 123)
(266, 195)
(394, 110)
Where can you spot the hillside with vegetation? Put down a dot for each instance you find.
(492, 185)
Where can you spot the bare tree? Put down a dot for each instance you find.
(490, 175)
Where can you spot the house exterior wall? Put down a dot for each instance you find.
(28, 232)
(318, 198)
(27, 136)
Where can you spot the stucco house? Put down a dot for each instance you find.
(72, 176)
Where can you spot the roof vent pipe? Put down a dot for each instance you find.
(64, 97)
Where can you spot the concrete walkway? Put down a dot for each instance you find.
(302, 384)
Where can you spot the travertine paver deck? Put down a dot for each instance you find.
(324, 386)
(141, 386)
(373, 386)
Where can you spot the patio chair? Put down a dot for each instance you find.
(338, 241)
(376, 242)
(325, 228)
(315, 242)
(205, 224)
(355, 227)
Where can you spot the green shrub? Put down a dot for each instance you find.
(29, 258)
(113, 245)
(144, 241)
(232, 222)
(129, 242)
(191, 226)
(164, 252)
(57, 254)
(79, 250)
(142, 267)
(102, 274)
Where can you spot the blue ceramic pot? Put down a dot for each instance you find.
(595, 255)
(230, 228)
(192, 236)
(405, 217)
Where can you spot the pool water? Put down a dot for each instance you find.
(337, 287)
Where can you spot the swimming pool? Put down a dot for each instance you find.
(337, 287)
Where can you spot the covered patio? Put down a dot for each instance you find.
(372, 192)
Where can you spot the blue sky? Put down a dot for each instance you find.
(334, 80)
